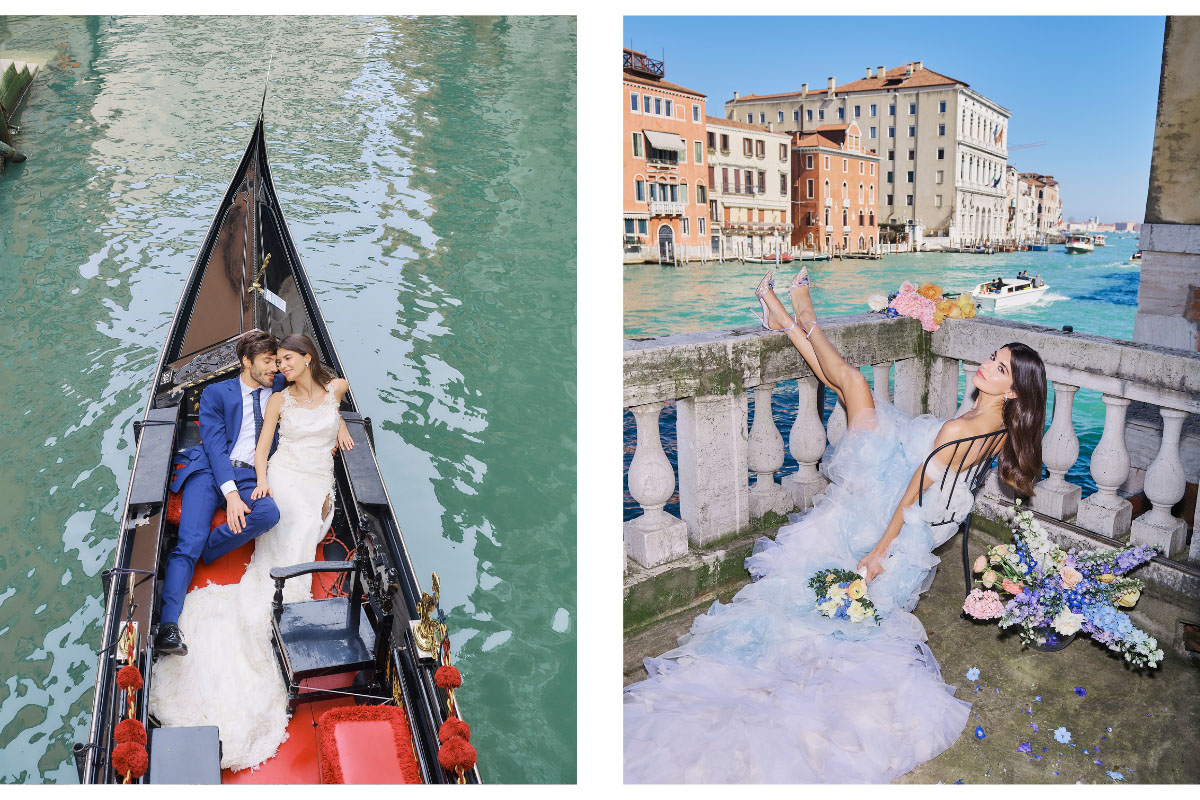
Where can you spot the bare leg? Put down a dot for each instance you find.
(844, 377)
(779, 319)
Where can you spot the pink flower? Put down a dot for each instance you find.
(1070, 577)
(983, 605)
(989, 578)
(1011, 587)
(907, 286)
(980, 564)
(911, 304)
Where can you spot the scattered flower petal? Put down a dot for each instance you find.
(973, 674)
(1082, 692)
(1038, 699)
(1062, 735)
(1034, 726)
(1116, 776)
(1025, 747)
(979, 734)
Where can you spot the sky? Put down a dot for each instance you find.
(1087, 86)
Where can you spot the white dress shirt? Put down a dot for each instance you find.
(243, 449)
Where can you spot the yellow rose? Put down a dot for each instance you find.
(969, 312)
(956, 312)
(1107, 577)
(857, 612)
(1129, 599)
(938, 318)
(857, 589)
(945, 306)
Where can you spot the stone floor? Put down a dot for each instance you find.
(1142, 727)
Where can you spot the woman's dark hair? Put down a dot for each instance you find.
(299, 343)
(1020, 459)
(254, 343)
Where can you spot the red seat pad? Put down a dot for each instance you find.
(354, 746)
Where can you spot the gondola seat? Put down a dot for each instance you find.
(185, 755)
(366, 745)
(323, 637)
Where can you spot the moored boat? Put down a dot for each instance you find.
(1014, 292)
(1098, 240)
(366, 662)
(1079, 243)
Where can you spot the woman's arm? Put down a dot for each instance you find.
(270, 420)
(871, 565)
(339, 387)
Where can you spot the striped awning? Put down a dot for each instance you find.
(664, 141)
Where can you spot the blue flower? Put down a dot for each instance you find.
(1116, 776)
(1082, 692)
(979, 734)
(1034, 726)
(1025, 747)
(973, 674)
(1062, 735)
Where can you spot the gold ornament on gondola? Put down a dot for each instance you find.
(257, 285)
(430, 632)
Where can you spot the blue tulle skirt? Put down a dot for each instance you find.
(766, 689)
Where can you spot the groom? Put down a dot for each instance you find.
(220, 471)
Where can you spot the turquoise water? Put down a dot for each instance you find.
(426, 168)
(1094, 293)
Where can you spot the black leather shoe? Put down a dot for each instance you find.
(170, 641)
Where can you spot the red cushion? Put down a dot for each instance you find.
(355, 746)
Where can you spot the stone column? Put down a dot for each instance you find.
(837, 423)
(969, 369)
(911, 380)
(1164, 488)
(1060, 448)
(766, 457)
(879, 383)
(807, 443)
(714, 485)
(1106, 511)
(656, 536)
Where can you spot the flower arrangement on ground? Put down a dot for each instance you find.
(843, 594)
(1062, 590)
(925, 303)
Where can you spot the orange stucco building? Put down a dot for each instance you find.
(665, 192)
(835, 185)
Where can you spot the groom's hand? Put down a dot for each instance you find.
(235, 512)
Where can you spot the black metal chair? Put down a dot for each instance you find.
(320, 637)
(987, 445)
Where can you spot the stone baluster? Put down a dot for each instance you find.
(714, 485)
(1106, 511)
(1165, 485)
(837, 423)
(910, 385)
(1060, 448)
(807, 443)
(655, 537)
(765, 458)
(879, 383)
(969, 369)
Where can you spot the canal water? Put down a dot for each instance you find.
(1093, 293)
(426, 168)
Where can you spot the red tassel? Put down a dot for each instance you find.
(455, 754)
(130, 758)
(130, 730)
(130, 678)
(447, 677)
(174, 506)
(454, 727)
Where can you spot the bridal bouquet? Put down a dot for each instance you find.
(842, 594)
(1063, 591)
(925, 303)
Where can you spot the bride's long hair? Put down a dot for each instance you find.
(299, 343)
(1020, 460)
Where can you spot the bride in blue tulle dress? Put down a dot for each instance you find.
(766, 689)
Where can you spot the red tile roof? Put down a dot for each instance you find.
(661, 84)
(896, 78)
(733, 123)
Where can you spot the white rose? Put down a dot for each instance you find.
(877, 302)
(857, 612)
(828, 608)
(1067, 623)
(835, 592)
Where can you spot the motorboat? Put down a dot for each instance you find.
(1080, 243)
(1099, 240)
(1014, 292)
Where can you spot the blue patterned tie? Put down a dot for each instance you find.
(258, 417)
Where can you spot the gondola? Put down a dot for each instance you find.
(371, 642)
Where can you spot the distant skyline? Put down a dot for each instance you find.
(1088, 86)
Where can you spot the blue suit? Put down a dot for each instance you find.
(204, 469)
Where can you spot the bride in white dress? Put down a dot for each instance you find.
(231, 679)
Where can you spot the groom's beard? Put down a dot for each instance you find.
(262, 377)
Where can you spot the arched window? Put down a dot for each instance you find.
(845, 217)
(860, 193)
(826, 215)
(871, 194)
(844, 189)
(862, 243)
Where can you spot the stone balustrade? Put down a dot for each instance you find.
(712, 376)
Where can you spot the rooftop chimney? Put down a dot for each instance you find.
(869, 72)
(881, 72)
(831, 86)
(735, 95)
(920, 65)
(804, 90)
(908, 73)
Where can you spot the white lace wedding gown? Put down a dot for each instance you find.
(230, 678)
